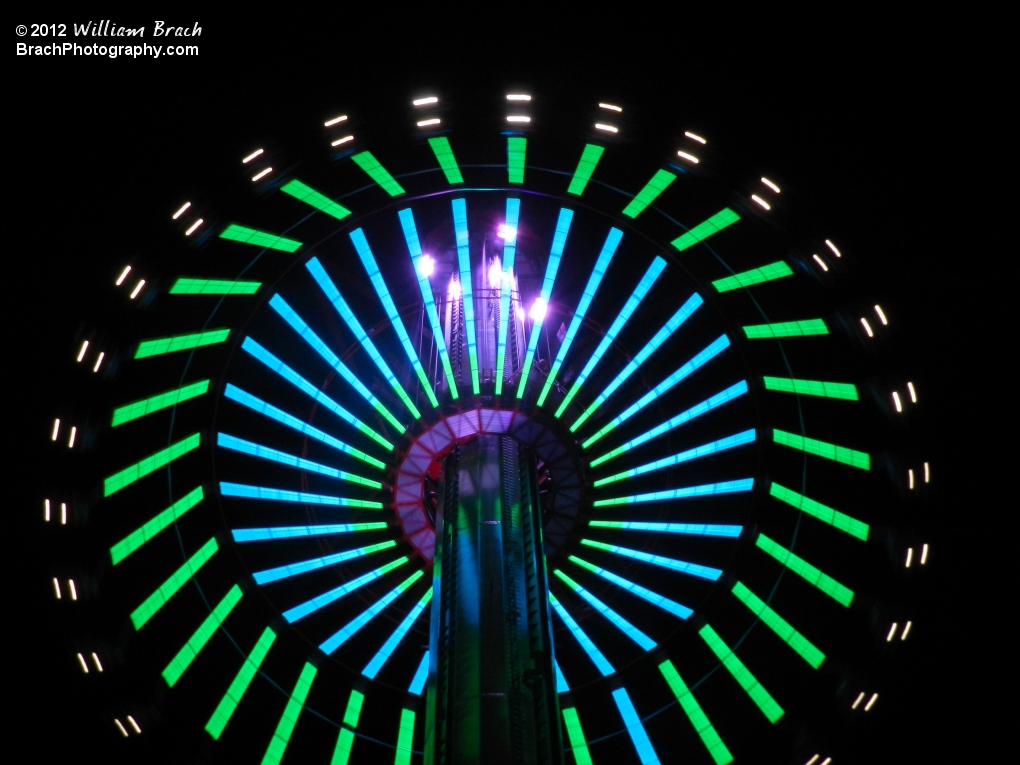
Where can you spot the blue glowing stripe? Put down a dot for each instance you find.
(724, 487)
(331, 292)
(414, 248)
(608, 250)
(460, 226)
(368, 260)
(632, 303)
(342, 635)
(555, 255)
(373, 667)
(589, 647)
(265, 452)
(705, 572)
(642, 592)
(293, 569)
(700, 529)
(711, 403)
(618, 621)
(420, 676)
(513, 210)
(561, 681)
(717, 346)
(292, 532)
(283, 495)
(660, 337)
(634, 727)
(336, 593)
(252, 402)
(690, 454)
(290, 316)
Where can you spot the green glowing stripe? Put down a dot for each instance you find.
(155, 601)
(694, 713)
(137, 538)
(288, 719)
(444, 153)
(705, 229)
(163, 345)
(162, 401)
(212, 622)
(319, 201)
(404, 738)
(787, 329)
(843, 522)
(259, 238)
(780, 626)
(225, 709)
(846, 391)
(776, 270)
(742, 674)
(213, 287)
(129, 475)
(378, 173)
(799, 566)
(345, 740)
(576, 736)
(585, 167)
(829, 451)
(647, 195)
(515, 149)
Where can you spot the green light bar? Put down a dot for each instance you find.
(213, 287)
(378, 173)
(780, 626)
(618, 621)
(647, 195)
(555, 255)
(138, 409)
(319, 201)
(375, 275)
(776, 270)
(515, 149)
(350, 586)
(824, 582)
(405, 737)
(843, 522)
(846, 391)
(575, 735)
(698, 718)
(786, 329)
(444, 153)
(259, 238)
(345, 740)
(742, 674)
(694, 569)
(511, 218)
(723, 487)
(719, 445)
(163, 345)
(137, 538)
(608, 250)
(705, 229)
(225, 709)
(341, 636)
(829, 451)
(268, 453)
(656, 268)
(460, 226)
(278, 744)
(129, 475)
(190, 650)
(585, 167)
(642, 592)
(155, 601)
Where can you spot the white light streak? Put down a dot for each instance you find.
(56, 430)
(335, 120)
(345, 139)
(892, 633)
(99, 361)
(81, 353)
(910, 557)
(63, 514)
(56, 587)
(813, 760)
(454, 289)
(46, 510)
(867, 327)
(696, 137)
(120, 727)
(924, 553)
(771, 185)
(832, 247)
(71, 587)
(761, 201)
(896, 401)
(135, 725)
(193, 226)
(84, 666)
(538, 309)
(505, 231)
(927, 473)
(137, 289)
(910, 476)
(689, 157)
(426, 265)
(857, 703)
(881, 315)
(517, 97)
(95, 660)
(423, 101)
(426, 123)
(251, 156)
(871, 702)
(518, 118)
(180, 212)
(913, 393)
(826, 761)
(263, 174)
(124, 273)
(906, 630)
(70, 440)
(610, 107)
(495, 274)
(820, 262)
(607, 128)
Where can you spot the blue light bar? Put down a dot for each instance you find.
(290, 532)
(420, 676)
(705, 572)
(414, 248)
(634, 727)
(252, 402)
(513, 209)
(608, 250)
(265, 452)
(368, 260)
(327, 286)
(373, 667)
(555, 255)
(460, 226)
(660, 337)
(711, 403)
(618, 621)
(657, 267)
(642, 592)
(690, 454)
(283, 495)
(589, 647)
(724, 487)
(293, 569)
(342, 635)
(561, 681)
(290, 316)
(336, 593)
(700, 529)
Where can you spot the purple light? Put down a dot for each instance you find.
(538, 309)
(426, 265)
